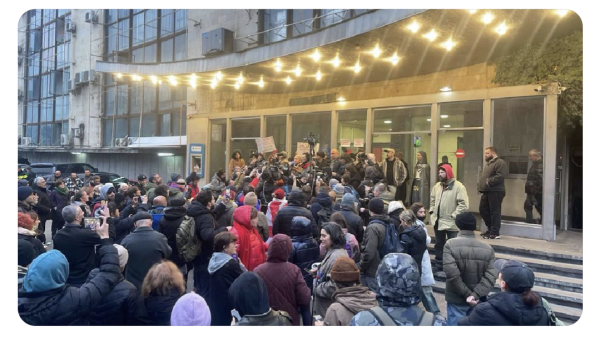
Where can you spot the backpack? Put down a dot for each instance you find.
(391, 241)
(324, 215)
(188, 242)
(351, 190)
(552, 319)
(384, 319)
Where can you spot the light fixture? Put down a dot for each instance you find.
(487, 18)
(336, 60)
(236, 85)
(318, 76)
(298, 70)
(154, 79)
(165, 154)
(561, 12)
(119, 75)
(387, 122)
(316, 56)
(213, 83)
(219, 75)
(76, 153)
(261, 83)
(240, 79)
(288, 80)
(278, 65)
(444, 116)
(448, 44)
(395, 59)
(446, 89)
(136, 77)
(414, 27)
(446, 126)
(429, 120)
(501, 29)
(357, 67)
(376, 51)
(172, 80)
(390, 129)
(432, 35)
(193, 79)
(472, 11)
(341, 99)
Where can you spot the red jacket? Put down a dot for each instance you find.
(286, 287)
(251, 248)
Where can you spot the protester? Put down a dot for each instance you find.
(190, 310)
(251, 247)
(27, 232)
(162, 287)
(305, 248)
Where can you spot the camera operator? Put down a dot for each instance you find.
(320, 160)
(337, 167)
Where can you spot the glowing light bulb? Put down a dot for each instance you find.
(278, 65)
(172, 80)
(241, 79)
(316, 56)
(219, 75)
(432, 35)
(119, 75)
(213, 83)
(561, 12)
(487, 18)
(236, 85)
(193, 79)
(414, 27)
(298, 70)
(395, 59)
(448, 44)
(154, 79)
(376, 51)
(501, 29)
(288, 80)
(261, 83)
(319, 75)
(336, 61)
(472, 11)
(357, 67)
(136, 77)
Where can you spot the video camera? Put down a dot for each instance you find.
(311, 139)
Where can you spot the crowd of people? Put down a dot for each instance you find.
(316, 241)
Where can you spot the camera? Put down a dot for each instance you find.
(311, 139)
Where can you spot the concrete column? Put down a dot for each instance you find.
(227, 148)
(433, 161)
(334, 130)
(550, 145)
(288, 135)
(369, 131)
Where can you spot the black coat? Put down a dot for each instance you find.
(68, 305)
(36, 243)
(283, 220)
(355, 223)
(206, 227)
(123, 306)
(78, 246)
(220, 281)
(305, 250)
(44, 205)
(146, 247)
(414, 242)
(159, 307)
(59, 201)
(124, 223)
(506, 309)
(168, 225)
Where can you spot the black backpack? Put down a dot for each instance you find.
(324, 215)
(391, 242)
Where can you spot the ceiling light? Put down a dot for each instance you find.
(472, 11)
(446, 89)
(376, 51)
(193, 79)
(288, 80)
(561, 12)
(278, 65)
(487, 18)
(395, 59)
(119, 75)
(341, 99)
(154, 79)
(172, 80)
(357, 67)
(387, 122)
(261, 83)
(390, 129)
(219, 75)
(414, 27)
(318, 75)
(336, 60)
(446, 126)
(298, 70)
(501, 29)
(316, 56)
(213, 83)
(236, 85)
(241, 79)
(429, 120)
(136, 77)
(444, 116)
(76, 153)
(448, 44)
(165, 154)
(432, 35)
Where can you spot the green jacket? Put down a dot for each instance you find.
(451, 200)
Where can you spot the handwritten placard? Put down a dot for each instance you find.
(265, 144)
(359, 143)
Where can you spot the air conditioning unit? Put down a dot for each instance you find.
(93, 76)
(78, 78)
(70, 27)
(66, 140)
(60, 39)
(25, 141)
(72, 87)
(85, 76)
(90, 17)
(217, 42)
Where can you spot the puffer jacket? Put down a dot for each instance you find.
(450, 199)
(272, 210)
(168, 225)
(29, 236)
(123, 306)
(159, 307)
(324, 286)
(285, 284)
(369, 248)
(323, 201)
(506, 309)
(250, 246)
(492, 177)
(414, 242)
(348, 302)
(305, 249)
(469, 268)
(295, 208)
(57, 304)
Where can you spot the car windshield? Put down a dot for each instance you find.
(42, 169)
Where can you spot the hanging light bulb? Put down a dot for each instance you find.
(432, 35)
(236, 85)
(501, 29)
(213, 83)
(448, 44)
(298, 70)
(288, 80)
(119, 75)
(154, 79)
(316, 56)
(261, 83)
(172, 80)
(414, 27)
(241, 79)
(219, 75)
(336, 60)
(193, 79)
(395, 59)
(376, 51)
(278, 65)
(487, 18)
(357, 67)
(318, 76)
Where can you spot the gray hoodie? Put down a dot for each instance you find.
(218, 260)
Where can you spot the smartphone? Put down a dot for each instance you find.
(91, 223)
(227, 194)
(317, 318)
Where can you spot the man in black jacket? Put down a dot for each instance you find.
(146, 247)
(77, 244)
(355, 223)
(491, 186)
(206, 228)
(373, 239)
(168, 225)
(533, 187)
(44, 206)
(45, 299)
(296, 207)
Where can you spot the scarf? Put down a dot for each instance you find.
(62, 191)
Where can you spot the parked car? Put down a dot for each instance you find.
(114, 178)
(47, 169)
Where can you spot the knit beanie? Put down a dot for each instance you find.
(279, 194)
(190, 310)
(345, 270)
(466, 221)
(376, 206)
(123, 255)
(24, 192)
(26, 252)
(348, 200)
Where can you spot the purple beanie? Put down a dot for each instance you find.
(190, 310)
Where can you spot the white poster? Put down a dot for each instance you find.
(345, 142)
(359, 143)
(304, 147)
(265, 145)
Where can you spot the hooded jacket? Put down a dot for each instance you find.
(272, 210)
(447, 201)
(398, 293)
(45, 299)
(168, 225)
(506, 309)
(285, 284)
(348, 302)
(206, 229)
(190, 310)
(216, 183)
(251, 247)
(323, 201)
(175, 192)
(305, 249)
(296, 207)
(492, 176)
(414, 242)
(372, 241)
(354, 222)
(249, 296)
(223, 270)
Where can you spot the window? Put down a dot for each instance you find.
(109, 101)
(151, 25)
(122, 99)
(243, 134)
(218, 146)
(45, 135)
(166, 51)
(35, 40)
(149, 97)
(317, 123)
(165, 125)
(181, 47)
(33, 66)
(150, 54)
(167, 22)
(403, 119)
(332, 16)
(180, 19)
(461, 114)
(49, 36)
(276, 127)
(107, 128)
(352, 126)
(123, 35)
(32, 112)
(274, 20)
(137, 31)
(110, 16)
(32, 131)
(148, 125)
(303, 20)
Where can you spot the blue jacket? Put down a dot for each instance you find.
(305, 249)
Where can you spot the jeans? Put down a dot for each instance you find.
(490, 208)
(369, 282)
(530, 201)
(429, 300)
(455, 313)
(440, 241)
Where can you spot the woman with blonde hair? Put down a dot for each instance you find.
(162, 287)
